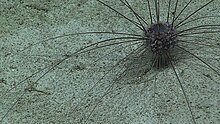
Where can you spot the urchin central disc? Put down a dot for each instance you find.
(161, 37)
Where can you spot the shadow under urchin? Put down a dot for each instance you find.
(160, 38)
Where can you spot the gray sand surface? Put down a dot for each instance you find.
(61, 96)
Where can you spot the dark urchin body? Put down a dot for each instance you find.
(162, 39)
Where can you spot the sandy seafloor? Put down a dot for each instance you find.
(61, 96)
